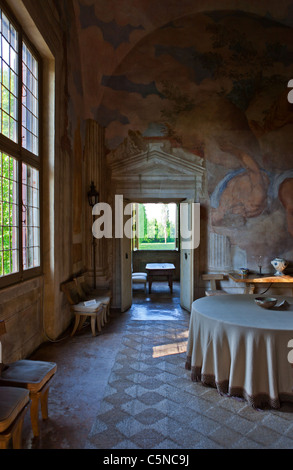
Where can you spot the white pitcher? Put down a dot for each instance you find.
(279, 264)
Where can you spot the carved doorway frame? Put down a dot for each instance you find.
(154, 171)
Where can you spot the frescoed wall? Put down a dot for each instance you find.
(212, 77)
(207, 76)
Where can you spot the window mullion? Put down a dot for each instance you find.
(20, 90)
(20, 154)
(20, 217)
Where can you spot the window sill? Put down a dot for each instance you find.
(6, 284)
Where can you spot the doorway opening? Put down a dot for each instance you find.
(155, 171)
(175, 264)
(157, 250)
(155, 241)
(155, 227)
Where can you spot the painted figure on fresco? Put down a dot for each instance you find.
(248, 191)
(245, 194)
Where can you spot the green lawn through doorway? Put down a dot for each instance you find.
(157, 246)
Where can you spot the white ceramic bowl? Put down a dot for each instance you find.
(265, 302)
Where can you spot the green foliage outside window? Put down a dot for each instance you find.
(156, 229)
(8, 215)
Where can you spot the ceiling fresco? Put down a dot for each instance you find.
(187, 70)
(212, 81)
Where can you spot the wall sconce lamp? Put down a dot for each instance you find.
(93, 198)
(93, 195)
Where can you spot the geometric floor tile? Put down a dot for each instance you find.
(155, 405)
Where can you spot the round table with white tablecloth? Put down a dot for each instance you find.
(241, 348)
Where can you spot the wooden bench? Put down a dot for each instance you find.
(213, 278)
(83, 308)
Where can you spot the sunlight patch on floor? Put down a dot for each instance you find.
(169, 349)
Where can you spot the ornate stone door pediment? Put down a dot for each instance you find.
(158, 171)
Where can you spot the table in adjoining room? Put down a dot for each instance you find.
(242, 349)
(160, 269)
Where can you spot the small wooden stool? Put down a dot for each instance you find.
(82, 309)
(105, 301)
(94, 310)
(13, 406)
(100, 295)
(213, 278)
(35, 376)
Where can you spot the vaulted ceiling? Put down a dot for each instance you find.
(211, 76)
(180, 69)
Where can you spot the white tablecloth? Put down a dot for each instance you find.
(242, 349)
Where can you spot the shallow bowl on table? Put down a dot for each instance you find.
(266, 302)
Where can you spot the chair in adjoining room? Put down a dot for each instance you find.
(14, 403)
(34, 376)
(139, 278)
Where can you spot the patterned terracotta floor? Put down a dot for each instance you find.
(128, 389)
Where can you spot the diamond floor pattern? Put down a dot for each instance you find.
(127, 388)
(154, 404)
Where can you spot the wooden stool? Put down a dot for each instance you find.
(13, 406)
(100, 295)
(213, 278)
(105, 301)
(94, 310)
(82, 309)
(35, 376)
